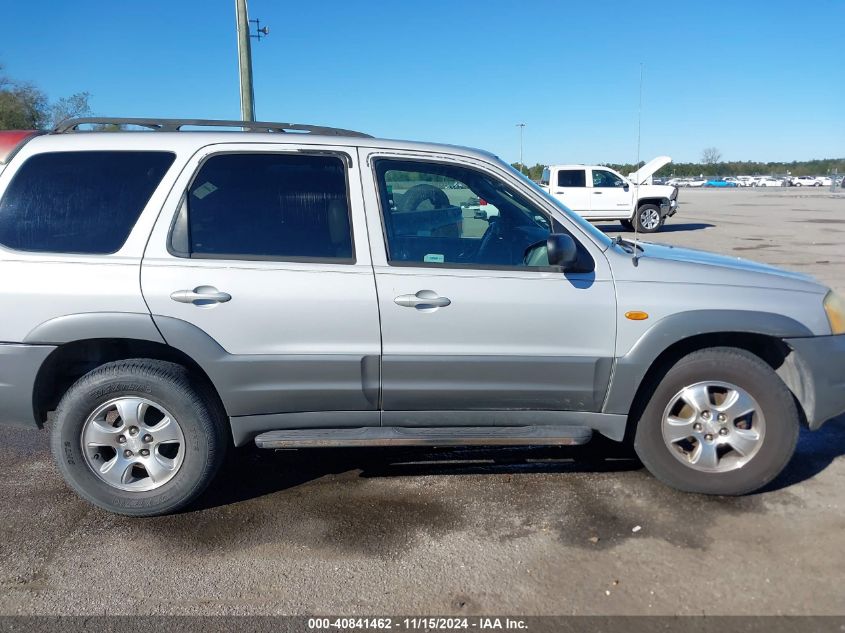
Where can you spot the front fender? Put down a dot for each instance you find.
(630, 369)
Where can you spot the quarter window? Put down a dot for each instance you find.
(79, 202)
(445, 215)
(267, 206)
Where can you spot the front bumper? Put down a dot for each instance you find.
(821, 362)
(668, 208)
(19, 365)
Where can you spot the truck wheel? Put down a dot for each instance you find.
(627, 225)
(648, 218)
(136, 437)
(720, 422)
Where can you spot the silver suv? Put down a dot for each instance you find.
(170, 293)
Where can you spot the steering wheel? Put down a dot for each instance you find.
(489, 240)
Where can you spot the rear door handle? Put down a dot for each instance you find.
(597, 193)
(201, 295)
(423, 300)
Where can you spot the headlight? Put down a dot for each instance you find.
(834, 307)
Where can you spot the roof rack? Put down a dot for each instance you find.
(176, 125)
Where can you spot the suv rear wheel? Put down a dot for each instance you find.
(137, 438)
(720, 422)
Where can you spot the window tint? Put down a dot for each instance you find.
(267, 206)
(571, 178)
(79, 202)
(441, 214)
(602, 178)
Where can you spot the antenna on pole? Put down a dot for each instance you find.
(637, 164)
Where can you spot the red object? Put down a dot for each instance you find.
(11, 140)
(482, 202)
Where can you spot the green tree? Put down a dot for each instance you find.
(24, 106)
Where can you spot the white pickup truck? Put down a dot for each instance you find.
(599, 193)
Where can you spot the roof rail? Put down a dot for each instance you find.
(176, 125)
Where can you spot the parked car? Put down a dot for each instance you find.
(768, 181)
(156, 322)
(480, 208)
(600, 193)
(720, 182)
(806, 181)
(746, 181)
(695, 182)
(824, 181)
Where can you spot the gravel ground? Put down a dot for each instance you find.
(581, 530)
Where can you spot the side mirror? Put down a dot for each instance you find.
(561, 250)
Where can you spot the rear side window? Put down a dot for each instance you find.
(79, 202)
(290, 207)
(571, 178)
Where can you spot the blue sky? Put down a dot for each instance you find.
(760, 80)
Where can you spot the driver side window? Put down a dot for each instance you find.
(441, 214)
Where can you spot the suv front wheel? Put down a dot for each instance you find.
(136, 437)
(720, 422)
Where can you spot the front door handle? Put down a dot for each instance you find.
(201, 296)
(597, 193)
(423, 300)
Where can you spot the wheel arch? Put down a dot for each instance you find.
(73, 359)
(655, 200)
(636, 374)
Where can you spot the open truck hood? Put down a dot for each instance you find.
(643, 173)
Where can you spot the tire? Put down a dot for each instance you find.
(418, 194)
(767, 457)
(627, 225)
(184, 455)
(645, 218)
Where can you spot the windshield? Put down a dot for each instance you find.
(586, 226)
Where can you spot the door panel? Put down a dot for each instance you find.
(503, 342)
(609, 199)
(470, 336)
(297, 335)
(570, 187)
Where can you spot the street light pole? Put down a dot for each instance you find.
(521, 127)
(245, 62)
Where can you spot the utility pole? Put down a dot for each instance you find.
(245, 62)
(521, 127)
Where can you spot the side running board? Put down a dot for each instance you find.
(421, 436)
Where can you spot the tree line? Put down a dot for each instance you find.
(24, 106)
